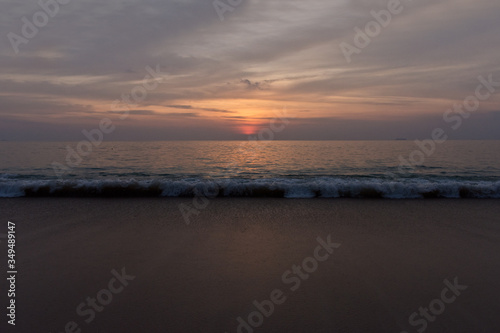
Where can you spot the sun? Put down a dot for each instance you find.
(247, 129)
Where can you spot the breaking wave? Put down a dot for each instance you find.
(325, 187)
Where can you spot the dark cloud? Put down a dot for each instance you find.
(216, 110)
(136, 112)
(179, 106)
(189, 107)
(255, 85)
(181, 114)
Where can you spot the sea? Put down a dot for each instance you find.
(399, 169)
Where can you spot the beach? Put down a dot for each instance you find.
(235, 166)
(250, 264)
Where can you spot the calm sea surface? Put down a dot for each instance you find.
(292, 169)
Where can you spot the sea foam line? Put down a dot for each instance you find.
(274, 187)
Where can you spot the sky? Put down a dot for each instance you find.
(228, 69)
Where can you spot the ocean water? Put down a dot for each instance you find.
(289, 169)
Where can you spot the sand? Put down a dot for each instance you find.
(390, 259)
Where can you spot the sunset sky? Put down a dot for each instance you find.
(226, 79)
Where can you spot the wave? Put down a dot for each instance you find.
(327, 187)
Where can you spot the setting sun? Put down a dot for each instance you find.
(248, 129)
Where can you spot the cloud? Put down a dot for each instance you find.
(136, 112)
(180, 106)
(190, 107)
(216, 110)
(40, 105)
(180, 114)
(155, 113)
(255, 85)
(265, 53)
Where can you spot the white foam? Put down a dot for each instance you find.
(326, 187)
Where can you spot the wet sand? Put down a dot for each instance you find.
(390, 259)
